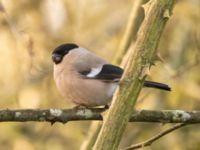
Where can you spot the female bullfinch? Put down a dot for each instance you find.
(87, 79)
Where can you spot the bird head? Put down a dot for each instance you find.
(62, 50)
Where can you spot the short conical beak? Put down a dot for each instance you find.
(56, 58)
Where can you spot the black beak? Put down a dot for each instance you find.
(56, 58)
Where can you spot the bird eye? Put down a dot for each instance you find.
(56, 58)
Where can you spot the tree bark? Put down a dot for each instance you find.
(66, 115)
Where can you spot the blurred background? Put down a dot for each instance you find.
(30, 30)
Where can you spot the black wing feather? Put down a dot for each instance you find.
(110, 72)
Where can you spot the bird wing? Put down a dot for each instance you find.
(107, 72)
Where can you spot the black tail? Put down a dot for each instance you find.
(157, 85)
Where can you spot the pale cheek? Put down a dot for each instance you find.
(59, 77)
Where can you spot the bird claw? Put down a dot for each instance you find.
(80, 107)
(106, 106)
(52, 122)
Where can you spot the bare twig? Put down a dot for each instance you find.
(150, 141)
(130, 31)
(65, 115)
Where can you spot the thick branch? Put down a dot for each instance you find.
(141, 57)
(65, 115)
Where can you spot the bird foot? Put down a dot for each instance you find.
(106, 107)
(80, 107)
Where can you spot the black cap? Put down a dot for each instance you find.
(60, 51)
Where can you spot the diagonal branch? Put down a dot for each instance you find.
(150, 141)
(65, 115)
(141, 57)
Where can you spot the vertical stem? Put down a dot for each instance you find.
(92, 135)
(130, 31)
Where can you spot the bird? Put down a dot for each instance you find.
(86, 79)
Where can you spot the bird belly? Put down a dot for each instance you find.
(86, 92)
(93, 93)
